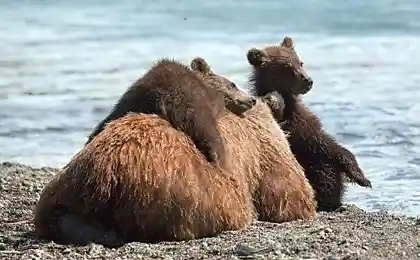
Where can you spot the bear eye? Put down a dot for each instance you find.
(233, 85)
(301, 64)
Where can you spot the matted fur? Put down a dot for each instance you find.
(140, 179)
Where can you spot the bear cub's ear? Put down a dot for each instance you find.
(287, 42)
(256, 57)
(199, 64)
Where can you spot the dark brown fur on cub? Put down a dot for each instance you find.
(181, 96)
(323, 159)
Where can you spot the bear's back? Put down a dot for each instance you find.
(255, 143)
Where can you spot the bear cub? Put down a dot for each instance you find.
(183, 97)
(323, 158)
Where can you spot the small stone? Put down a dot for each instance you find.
(328, 230)
(26, 183)
(6, 164)
(342, 242)
(94, 249)
(2, 246)
(244, 250)
(67, 251)
(278, 252)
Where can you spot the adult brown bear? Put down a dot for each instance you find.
(140, 179)
(278, 69)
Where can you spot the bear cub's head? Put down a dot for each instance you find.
(278, 68)
(236, 100)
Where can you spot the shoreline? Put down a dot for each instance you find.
(349, 233)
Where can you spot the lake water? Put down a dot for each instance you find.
(63, 65)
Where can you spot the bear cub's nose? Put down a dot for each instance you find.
(309, 81)
(253, 100)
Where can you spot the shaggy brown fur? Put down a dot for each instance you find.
(140, 179)
(259, 152)
(176, 93)
(145, 181)
(323, 159)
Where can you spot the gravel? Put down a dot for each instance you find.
(349, 233)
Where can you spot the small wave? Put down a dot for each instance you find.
(404, 173)
(371, 154)
(49, 93)
(90, 72)
(415, 161)
(12, 64)
(352, 137)
(46, 130)
(101, 110)
(404, 142)
(386, 111)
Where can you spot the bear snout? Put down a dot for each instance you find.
(253, 100)
(309, 82)
(240, 104)
(306, 85)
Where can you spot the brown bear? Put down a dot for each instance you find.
(279, 69)
(141, 179)
(175, 92)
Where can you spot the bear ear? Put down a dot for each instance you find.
(256, 57)
(199, 64)
(287, 42)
